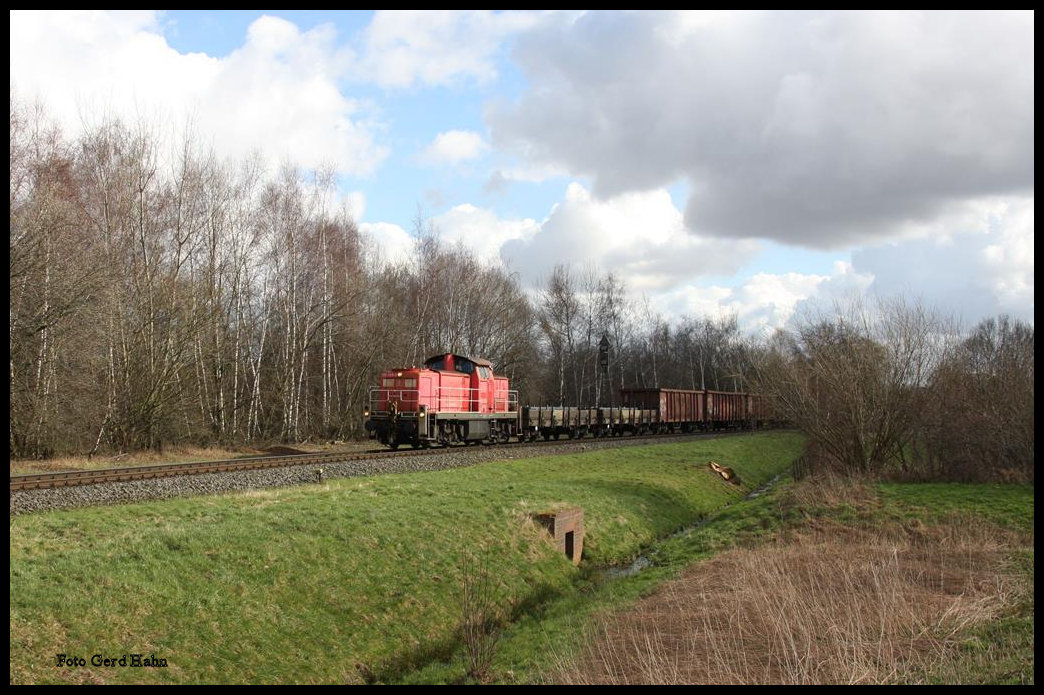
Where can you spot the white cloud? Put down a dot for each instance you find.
(982, 268)
(89, 60)
(985, 266)
(765, 301)
(524, 173)
(389, 244)
(639, 236)
(1009, 260)
(277, 94)
(453, 147)
(816, 128)
(481, 231)
(355, 201)
(428, 47)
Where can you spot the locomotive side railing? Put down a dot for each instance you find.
(463, 399)
(448, 398)
(505, 401)
(455, 398)
(378, 395)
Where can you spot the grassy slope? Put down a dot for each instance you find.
(309, 584)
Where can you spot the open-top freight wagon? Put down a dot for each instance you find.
(690, 410)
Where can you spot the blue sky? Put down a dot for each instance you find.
(717, 162)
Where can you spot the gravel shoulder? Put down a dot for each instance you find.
(26, 501)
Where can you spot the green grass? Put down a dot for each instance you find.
(1007, 505)
(349, 579)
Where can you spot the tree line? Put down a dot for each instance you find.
(162, 297)
(894, 389)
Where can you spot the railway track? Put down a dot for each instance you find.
(40, 481)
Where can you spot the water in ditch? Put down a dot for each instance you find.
(642, 562)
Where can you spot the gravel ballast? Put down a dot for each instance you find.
(24, 501)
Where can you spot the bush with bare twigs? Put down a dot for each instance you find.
(481, 617)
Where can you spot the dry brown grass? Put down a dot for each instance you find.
(139, 458)
(174, 454)
(824, 604)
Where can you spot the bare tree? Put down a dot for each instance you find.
(559, 309)
(54, 276)
(854, 381)
(709, 352)
(613, 311)
(980, 425)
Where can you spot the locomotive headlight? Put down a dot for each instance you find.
(423, 411)
(366, 413)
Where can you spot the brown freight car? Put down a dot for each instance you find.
(727, 410)
(679, 409)
(688, 410)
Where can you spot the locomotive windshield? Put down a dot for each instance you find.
(451, 363)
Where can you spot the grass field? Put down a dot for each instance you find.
(357, 579)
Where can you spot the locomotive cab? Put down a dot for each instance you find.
(477, 393)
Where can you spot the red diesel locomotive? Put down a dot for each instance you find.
(455, 399)
(452, 399)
